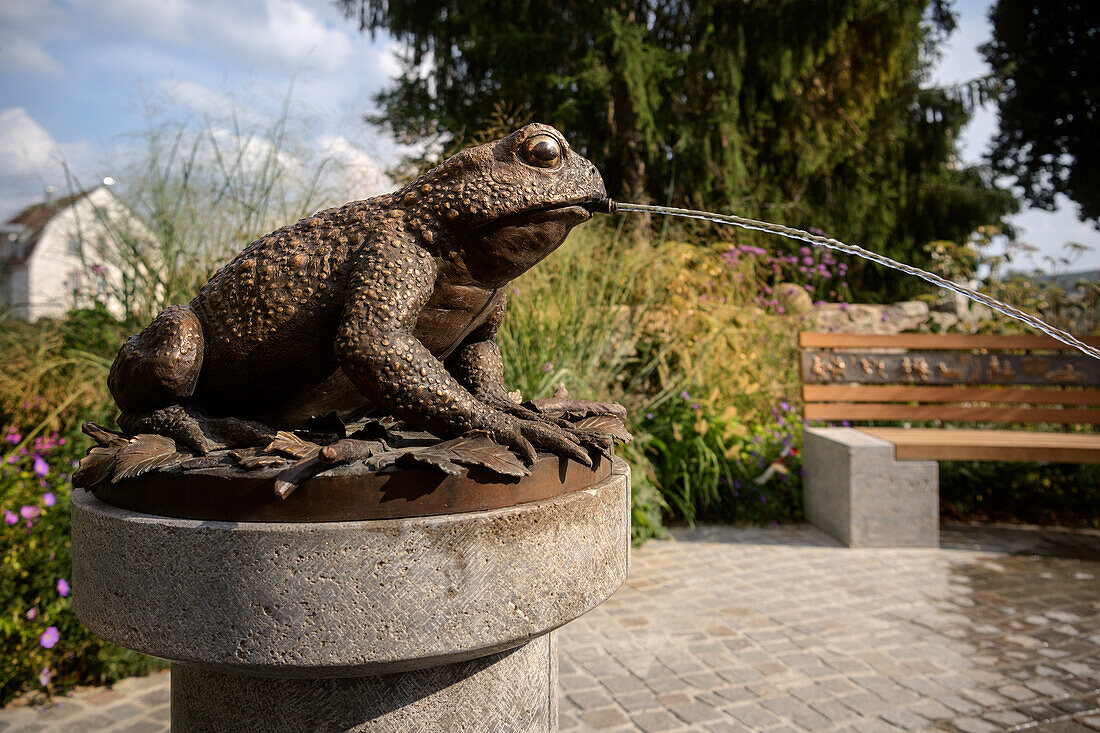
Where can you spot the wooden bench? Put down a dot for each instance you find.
(878, 486)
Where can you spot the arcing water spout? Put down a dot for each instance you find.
(828, 242)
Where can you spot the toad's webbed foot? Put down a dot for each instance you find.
(197, 432)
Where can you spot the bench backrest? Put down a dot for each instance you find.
(959, 377)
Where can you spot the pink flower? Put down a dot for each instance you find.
(49, 638)
(29, 512)
(63, 587)
(10, 517)
(13, 437)
(32, 613)
(45, 676)
(40, 466)
(49, 499)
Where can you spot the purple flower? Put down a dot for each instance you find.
(10, 517)
(29, 512)
(48, 499)
(695, 405)
(63, 588)
(13, 437)
(763, 499)
(685, 395)
(49, 638)
(784, 406)
(40, 466)
(45, 676)
(737, 484)
(803, 250)
(649, 416)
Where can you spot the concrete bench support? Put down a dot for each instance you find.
(856, 491)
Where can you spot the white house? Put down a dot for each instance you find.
(51, 256)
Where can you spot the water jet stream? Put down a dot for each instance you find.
(834, 244)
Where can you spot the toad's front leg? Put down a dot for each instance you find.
(478, 366)
(375, 346)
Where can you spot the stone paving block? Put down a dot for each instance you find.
(865, 703)
(141, 726)
(932, 710)
(125, 710)
(904, 719)
(959, 705)
(590, 699)
(695, 712)
(635, 701)
(726, 726)
(1019, 693)
(834, 711)
(753, 715)
(92, 723)
(657, 720)
(735, 694)
(874, 726)
(603, 718)
(975, 725)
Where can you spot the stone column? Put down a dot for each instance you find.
(416, 623)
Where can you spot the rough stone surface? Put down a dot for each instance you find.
(912, 315)
(340, 599)
(508, 691)
(856, 491)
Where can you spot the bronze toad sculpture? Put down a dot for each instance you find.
(388, 305)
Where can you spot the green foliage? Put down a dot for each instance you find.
(1048, 493)
(627, 319)
(1045, 56)
(46, 648)
(812, 113)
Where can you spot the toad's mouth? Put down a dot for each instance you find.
(574, 213)
(511, 245)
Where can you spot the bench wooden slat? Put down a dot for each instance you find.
(990, 445)
(905, 393)
(953, 341)
(856, 411)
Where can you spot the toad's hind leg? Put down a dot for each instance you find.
(195, 431)
(159, 366)
(154, 377)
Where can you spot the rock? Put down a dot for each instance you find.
(793, 299)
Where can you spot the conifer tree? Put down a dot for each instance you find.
(807, 112)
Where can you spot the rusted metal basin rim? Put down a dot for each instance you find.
(345, 493)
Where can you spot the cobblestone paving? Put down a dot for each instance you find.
(727, 629)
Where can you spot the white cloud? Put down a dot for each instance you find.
(355, 173)
(22, 55)
(30, 159)
(205, 101)
(26, 148)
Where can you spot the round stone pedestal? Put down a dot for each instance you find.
(419, 623)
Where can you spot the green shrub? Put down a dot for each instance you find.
(1047, 493)
(46, 648)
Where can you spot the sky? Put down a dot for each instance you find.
(81, 79)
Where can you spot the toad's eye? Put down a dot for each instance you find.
(542, 151)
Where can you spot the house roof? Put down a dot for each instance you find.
(33, 220)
